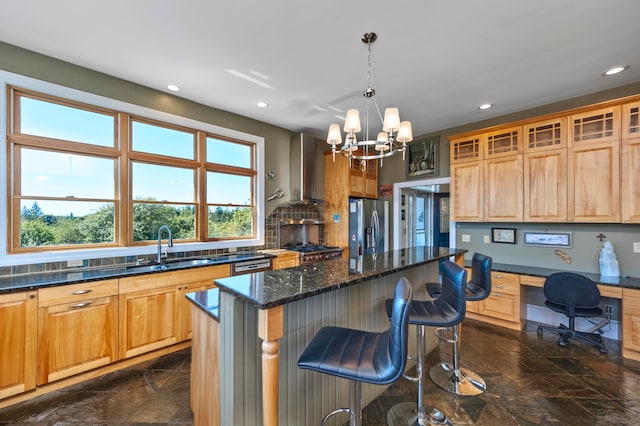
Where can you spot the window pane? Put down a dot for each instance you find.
(228, 153)
(228, 189)
(41, 118)
(161, 140)
(230, 222)
(148, 218)
(59, 174)
(162, 183)
(51, 223)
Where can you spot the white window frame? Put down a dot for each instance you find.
(7, 259)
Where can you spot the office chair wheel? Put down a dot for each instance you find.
(562, 342)
(540, 331)
(603, 350)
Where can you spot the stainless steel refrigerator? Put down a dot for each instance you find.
(368, 226)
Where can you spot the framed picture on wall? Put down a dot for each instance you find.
(422, 158)
(503, 235)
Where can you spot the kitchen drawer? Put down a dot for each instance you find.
(504, 283)
(502, 306)
(76, 292)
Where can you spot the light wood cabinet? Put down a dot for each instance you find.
(503, 142)
(593, 186)
(593, 182)
(150, 316)
(286, 259)
(503, 306)
(503, 190)
(154, 312)
(545, 186)
(467, 191)
(545, 135)
(343, 180)
(631, 120)
(467, 148)
(631, 323)
(77, 328)
(630, 182)
(18, 336)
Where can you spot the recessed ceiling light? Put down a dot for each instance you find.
(615, 70)
(485, 106)
(173, 88)
(262, 104)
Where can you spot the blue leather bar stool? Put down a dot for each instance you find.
(447, 310)
(450, 376)
(362, 356)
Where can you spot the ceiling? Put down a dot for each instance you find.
(437, 61)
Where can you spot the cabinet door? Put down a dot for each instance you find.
(503, 189)
(150, 320)
(545, 135)
(631, 120)
(595, 127)
(505, 142)
(630, 184)
(371, 185)
(504, 301)
(356, 183)
(593, 186)
(467, 191)
(631, 321)
(469, 148)
(17, 342)
(545, 186)
(76, 337)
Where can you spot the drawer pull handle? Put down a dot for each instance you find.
(80, 305)
(75, 293)
(498, 294)
(499, 276)
(499, 286)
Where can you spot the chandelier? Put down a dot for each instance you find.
(392, 139)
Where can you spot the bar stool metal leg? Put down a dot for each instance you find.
(452, 377)
(406, 414)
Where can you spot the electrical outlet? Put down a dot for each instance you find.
(74, 262)
(466, 238)
(232, 249)
(636, 247)
(608, 309)
(487, 239)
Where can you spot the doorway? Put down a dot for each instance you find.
(421, 214)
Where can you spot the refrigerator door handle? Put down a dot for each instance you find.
(375, 223)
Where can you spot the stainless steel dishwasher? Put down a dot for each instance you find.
(250, 266)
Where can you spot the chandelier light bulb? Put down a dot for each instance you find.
(334, 137)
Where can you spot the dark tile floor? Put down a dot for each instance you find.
(530, 381)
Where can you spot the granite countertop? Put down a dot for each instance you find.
(208, 301)
(624, 281)
(273, 288)
(56, 278)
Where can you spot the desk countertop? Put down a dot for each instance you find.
(624, 282)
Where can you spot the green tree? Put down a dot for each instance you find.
(99, 227)
(35, 233)
(33, 213)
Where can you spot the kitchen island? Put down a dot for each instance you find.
(249, 333)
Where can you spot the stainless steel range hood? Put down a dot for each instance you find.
(302, 160)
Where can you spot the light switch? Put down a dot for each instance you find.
(487, 240)
(466, 238)
(636, 247)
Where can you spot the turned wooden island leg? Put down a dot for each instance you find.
(270, 329)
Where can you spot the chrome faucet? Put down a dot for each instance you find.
(169, 241)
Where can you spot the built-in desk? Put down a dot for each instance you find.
(513, 315)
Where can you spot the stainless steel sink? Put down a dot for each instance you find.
(167, 266)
